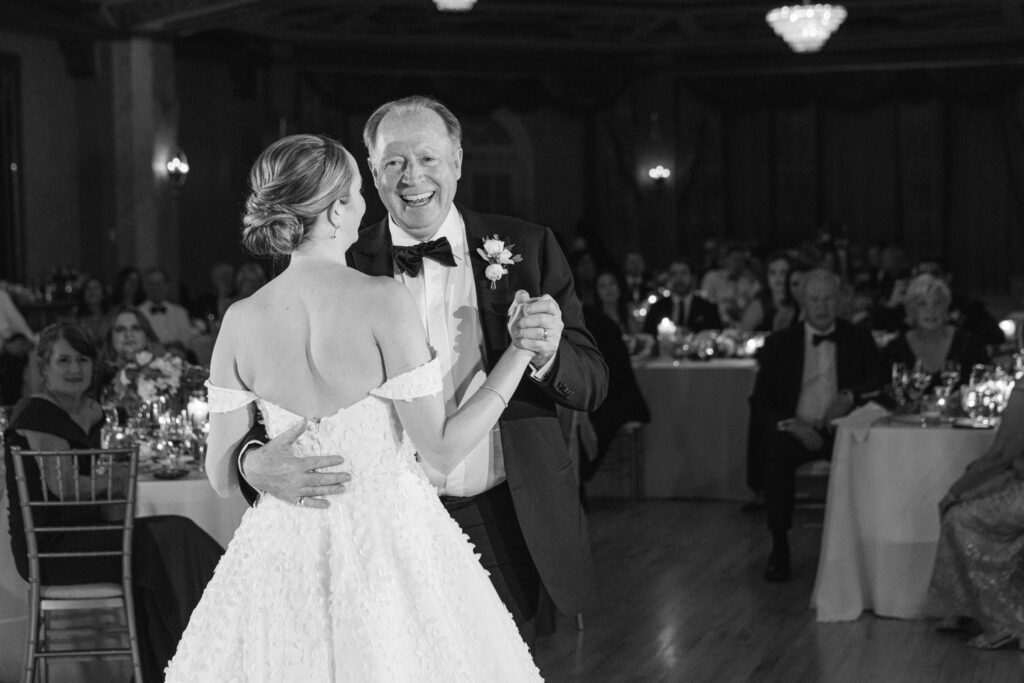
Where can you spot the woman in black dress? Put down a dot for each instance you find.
(172, 558)
(931, 339)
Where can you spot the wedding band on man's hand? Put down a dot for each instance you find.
(301, 502)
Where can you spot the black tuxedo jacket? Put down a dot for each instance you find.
(703, 315)
(538, 469)
(537, 465)
(781, 367)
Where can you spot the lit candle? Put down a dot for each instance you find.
(666, 328)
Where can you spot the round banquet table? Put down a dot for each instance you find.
(882, 517)
(696, 443)
(190, 497)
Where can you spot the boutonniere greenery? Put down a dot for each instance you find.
(498, 256)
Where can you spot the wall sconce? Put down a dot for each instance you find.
(177, 168)
(659, 173)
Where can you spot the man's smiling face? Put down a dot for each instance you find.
(416, 168)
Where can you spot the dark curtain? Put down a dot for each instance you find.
(11, 256)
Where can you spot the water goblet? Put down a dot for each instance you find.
(900, 380)
(950, 374)
(920, 378)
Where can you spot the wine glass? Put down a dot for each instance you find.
(920, 379)
(979, 374)
(900, 380)
(950, 374)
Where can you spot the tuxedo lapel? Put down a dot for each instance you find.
(371, 254)
(492, 303)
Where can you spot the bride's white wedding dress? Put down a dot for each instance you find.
(381, 586)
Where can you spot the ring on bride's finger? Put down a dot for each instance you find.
(545, 337)
(301, 502)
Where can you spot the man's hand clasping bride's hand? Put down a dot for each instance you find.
(273, 469)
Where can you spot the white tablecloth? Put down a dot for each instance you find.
(190, 497)
(696, 443)
(882, 517)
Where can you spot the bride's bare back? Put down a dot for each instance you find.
(307, 340)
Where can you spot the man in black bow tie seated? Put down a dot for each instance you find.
(808, 375)
(170, 321)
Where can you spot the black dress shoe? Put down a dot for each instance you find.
(778, 567)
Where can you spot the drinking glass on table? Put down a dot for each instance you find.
(899, 382)
(920, 379)
(950, 374)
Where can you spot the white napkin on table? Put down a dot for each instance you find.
(860, 420)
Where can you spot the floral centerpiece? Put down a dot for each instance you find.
(150, 384)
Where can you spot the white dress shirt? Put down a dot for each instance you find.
(681, 309)
(171, 325)
(819, 384)
(446, 300)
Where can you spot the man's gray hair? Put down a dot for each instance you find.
(412, 105)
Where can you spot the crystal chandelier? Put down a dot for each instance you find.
(806, 27)
(454, 5)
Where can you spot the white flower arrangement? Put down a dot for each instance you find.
(498, 256)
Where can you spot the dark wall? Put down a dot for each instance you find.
(930, 160)
(230, 113)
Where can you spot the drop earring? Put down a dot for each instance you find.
(334, 233)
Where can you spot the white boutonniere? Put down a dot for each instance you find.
(498, 256)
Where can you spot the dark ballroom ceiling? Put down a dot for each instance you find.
(577, 35)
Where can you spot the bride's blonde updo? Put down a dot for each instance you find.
(291, 183)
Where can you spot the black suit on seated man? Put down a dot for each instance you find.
(701, 314)
(808, 374)
(684, 307)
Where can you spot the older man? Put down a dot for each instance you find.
(515, 495)
(808, 375)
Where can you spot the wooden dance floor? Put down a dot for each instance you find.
(681, 598)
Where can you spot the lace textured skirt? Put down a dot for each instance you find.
(382, 586)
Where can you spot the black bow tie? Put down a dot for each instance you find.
(158, 308)
(410, 259)
(818, 338)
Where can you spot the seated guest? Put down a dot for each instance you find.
(683, 306)
(170, 321)
(130, 332)
(636, 280)
(808, 375)
(979, 565)
(966, 313)
(93, 310)
(127, 288)
(720, 285)
(782, 309)
(608, 295)
(210, 307)
(624, 403)
(16, 341)
(931, 338)
(172, 558)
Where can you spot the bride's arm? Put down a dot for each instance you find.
(441, 440)
(227, 429)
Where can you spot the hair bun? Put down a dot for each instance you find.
(270, 230)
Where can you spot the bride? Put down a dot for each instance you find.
(381, 585)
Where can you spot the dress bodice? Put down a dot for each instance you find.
(368, 433)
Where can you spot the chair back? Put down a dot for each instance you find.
(105, 477)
